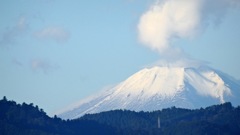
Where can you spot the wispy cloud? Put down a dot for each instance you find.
(43, 65)
(9, 36)
(57, 34)
(17, 62)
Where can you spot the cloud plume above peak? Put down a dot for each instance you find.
(170, 19)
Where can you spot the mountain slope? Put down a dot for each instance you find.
(162, 87)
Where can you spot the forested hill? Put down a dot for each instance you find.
(217, 119)
(27, 119)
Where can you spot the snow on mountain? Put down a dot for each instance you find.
(161, 87)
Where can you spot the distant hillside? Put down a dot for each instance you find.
(27, 119)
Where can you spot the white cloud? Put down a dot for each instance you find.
(169, 19)
(57, 34)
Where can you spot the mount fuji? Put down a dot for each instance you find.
(162, 87)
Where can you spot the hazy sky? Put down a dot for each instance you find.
(56, 52)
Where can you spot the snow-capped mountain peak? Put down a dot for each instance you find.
(160, 87)
(155, 81)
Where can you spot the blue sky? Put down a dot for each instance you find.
(54, 53)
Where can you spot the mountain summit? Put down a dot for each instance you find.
(161, 87)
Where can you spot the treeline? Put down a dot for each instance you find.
(216, 119)
(27, 119)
